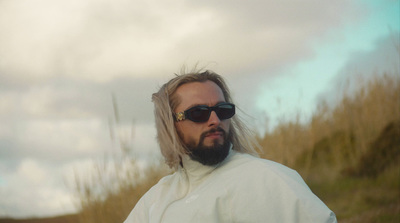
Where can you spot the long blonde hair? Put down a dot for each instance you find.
(165, 101)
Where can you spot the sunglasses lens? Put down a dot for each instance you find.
(200, 114)
(225, 111)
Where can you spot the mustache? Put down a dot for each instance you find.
(218, 129)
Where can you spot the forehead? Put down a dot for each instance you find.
(199, 93)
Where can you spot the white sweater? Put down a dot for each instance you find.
(242, 188)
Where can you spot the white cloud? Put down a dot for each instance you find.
(144, 140)
(69, 137)
(33, 31)
(382, 59)
(54, 141)
(34, 190)
(100, 40)
(31, 172)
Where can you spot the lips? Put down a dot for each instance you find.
(215, 134)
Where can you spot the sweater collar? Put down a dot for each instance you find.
(196, 171)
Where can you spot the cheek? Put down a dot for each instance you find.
(186, 131)
(226, 124)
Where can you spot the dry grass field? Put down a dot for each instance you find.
(58, 219)
(349, 154)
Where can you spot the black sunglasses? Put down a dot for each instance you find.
(201, 113)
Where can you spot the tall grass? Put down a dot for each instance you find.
(348, 153)
(334, 141)
(336, 135)
(110, 196)
(113, 185)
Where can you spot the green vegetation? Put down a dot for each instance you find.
(348, 154)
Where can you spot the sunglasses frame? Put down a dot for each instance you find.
(180, 116)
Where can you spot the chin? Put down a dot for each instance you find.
(213, 145)
(210, 154)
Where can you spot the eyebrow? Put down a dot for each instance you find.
(194, 105)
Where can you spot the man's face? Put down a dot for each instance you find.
(209, 135)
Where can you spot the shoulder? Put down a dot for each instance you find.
(246, 163)
(140, 212)
(273, 191)
(160, 186)
(248, 173)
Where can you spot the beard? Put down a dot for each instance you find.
(209, 155)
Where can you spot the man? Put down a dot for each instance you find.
(218, 176)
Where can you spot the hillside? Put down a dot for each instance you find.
(349, 154)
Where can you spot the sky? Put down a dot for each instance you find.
(63, 62)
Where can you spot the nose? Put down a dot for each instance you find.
(213, 120)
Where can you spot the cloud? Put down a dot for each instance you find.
(38, 190)
(99, 40)
(383, 58)
(31, 171)
(55, 141)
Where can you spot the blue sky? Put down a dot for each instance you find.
(62, 60)
(298, 88)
